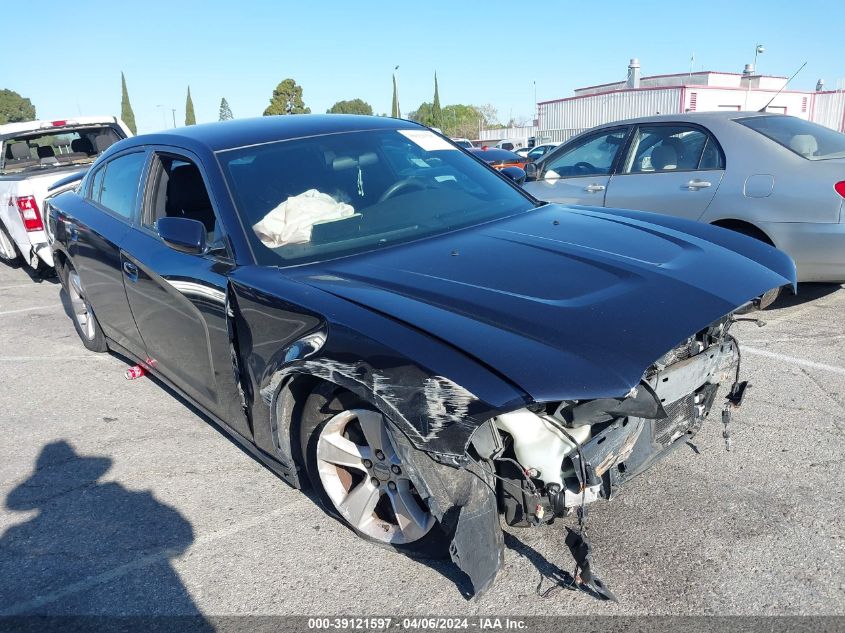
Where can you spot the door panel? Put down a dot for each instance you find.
(683, 194)
(671, 168)
(579, 172)
(94, 241)
(179, 303)
(95, 228)
(589, 190)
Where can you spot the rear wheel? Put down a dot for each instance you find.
(8, 251)
(772, 295)
(359, 477)
(84, 321)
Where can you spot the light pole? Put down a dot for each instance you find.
(758, 50)
(173, 112)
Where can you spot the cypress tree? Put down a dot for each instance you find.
(190, 118)
(126, 112)
(436, 114)
(394, 110)
(225, 110)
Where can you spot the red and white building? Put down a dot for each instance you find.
(560, 119)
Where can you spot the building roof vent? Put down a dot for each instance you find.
(633, 74)
(748, 70)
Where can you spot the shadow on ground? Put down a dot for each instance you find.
(92, 547)
(806, 292)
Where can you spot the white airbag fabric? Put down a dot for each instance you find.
(291, 221)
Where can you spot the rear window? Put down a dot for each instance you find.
(46, 150)
(809, 140)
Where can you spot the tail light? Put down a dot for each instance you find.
(29, 213)
(840, 188)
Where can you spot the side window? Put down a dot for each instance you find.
(97, 184)
(179, 191)
(592, 156)
(120, 183)
(662, 148)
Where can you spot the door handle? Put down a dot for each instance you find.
(131, 270)
(694, 185)
(594, 188)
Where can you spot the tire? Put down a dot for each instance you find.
(84, 321)
(767, 298)
(8, 251)
(332, 428)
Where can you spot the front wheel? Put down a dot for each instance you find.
(84, 321)
(359, 477)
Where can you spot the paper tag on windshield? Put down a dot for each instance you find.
(429, 141)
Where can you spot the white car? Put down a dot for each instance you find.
(462, 142)
(33, 156)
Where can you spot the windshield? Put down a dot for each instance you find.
(45, 150)
(339, 194)
(809, 140)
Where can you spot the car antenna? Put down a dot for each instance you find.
(763, 109)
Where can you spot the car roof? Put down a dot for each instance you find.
(13, 129)
(691, 117)
(255, 131)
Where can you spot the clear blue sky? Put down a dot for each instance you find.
(68, 56)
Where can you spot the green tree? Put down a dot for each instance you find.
(424, 114)
(436, 113)
(351, 106)
(394, 109)
(225, 110)
(126, 112)
(190, 117)
(457, 119)
(15, 108)
(287, 99)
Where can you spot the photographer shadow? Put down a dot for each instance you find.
(93, 548)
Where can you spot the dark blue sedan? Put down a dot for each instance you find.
(371, 310)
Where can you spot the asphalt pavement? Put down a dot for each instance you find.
(119, 498)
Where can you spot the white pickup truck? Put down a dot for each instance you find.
(33, 156)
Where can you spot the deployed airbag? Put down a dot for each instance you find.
(292, 220)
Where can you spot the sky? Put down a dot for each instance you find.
(489, 52)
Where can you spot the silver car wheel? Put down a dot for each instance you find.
(364, 478)
(81, 309)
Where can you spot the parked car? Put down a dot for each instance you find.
(774, 177)
(538, 151)
(522, 151)
(498, 158)
(508, 145)
(34, 155)
(368, 309)
(463, 142)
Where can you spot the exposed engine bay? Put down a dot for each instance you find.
(557, 458)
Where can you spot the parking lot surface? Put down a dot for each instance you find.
(119, 498)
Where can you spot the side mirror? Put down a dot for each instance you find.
(182, 234)
(531, 171)
(515, 174)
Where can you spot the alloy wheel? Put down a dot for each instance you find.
(365, 479)
(81, 308)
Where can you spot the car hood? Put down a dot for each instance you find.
(565, 302)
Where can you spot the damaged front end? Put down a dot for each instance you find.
(559, 457)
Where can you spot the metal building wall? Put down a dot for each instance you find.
(829, 109)
(561, 120)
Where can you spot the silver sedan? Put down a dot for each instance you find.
(774, 177)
